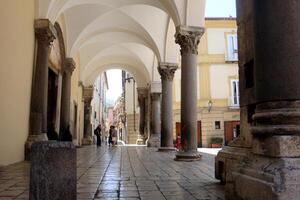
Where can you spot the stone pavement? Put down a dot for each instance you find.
(127, 173)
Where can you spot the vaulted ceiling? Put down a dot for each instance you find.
(130, 34)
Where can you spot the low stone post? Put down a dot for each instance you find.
(53, 171)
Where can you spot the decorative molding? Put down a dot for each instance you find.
(167, 70)
(45, 31)
(142, 92)
(188, 38)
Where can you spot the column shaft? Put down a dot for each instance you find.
(272, 169)
(45, 34)
(154, 140)
(88, 133)
(142, 99)
(189, 102)
(167, 114)
(188, 38)
(167, 71)
(66, 94)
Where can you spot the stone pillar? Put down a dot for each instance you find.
(188, 38)
(142, 99)
(154, 140)
(45, 34)
(167, 71)
(272, 167)
(88, 132)
(66, 94)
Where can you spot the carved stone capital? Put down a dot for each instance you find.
(155, 96)
(45, 31)
(69, 65)
(88, 94)
(142, 92)
(142, 95)
(167, 70)
(188, 38)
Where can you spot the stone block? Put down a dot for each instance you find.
(53, 171)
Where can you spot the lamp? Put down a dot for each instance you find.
(209, 103)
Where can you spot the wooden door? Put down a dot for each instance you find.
(178, 129)
(231, 130)
(199, 132)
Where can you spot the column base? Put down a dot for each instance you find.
(154, 141)
(226, 159)
(30, 140)
(269, 178)
(187, 156)
(166, 149)
(140, 140)
(87, 141)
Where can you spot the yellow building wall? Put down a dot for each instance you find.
(16, 55)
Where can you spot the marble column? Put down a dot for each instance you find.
(87, 98)
(188, 38)
(142, 99)
(154, 140)
(167, 71)
(272, 169)
(45, 34)
(66, 94)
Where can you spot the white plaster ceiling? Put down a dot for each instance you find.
(129, 34)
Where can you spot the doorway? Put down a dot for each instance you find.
(199, 132)
(52, 98)
(75, 121)
(231, 130)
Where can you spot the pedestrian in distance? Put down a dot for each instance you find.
(97, 132)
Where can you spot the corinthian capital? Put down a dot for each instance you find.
(188, 38)
(142, 95)
(70, 65)
(167, 70)
(44, 31)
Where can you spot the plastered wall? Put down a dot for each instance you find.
(16, 55)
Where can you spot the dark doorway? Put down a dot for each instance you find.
(52, 98)
(231, 130)
(199, 132)
(75, 121)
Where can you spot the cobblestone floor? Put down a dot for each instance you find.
(129, 173)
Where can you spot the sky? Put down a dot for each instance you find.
(220, 8)
(214, 8)
(114, 79)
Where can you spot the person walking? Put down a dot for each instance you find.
(97, 132)
(114, 136)
(110, 141)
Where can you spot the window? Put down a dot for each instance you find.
(217, 125)
(232, 47)
(235, 96)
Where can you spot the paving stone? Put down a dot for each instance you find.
(128, 173)
(129, 194)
